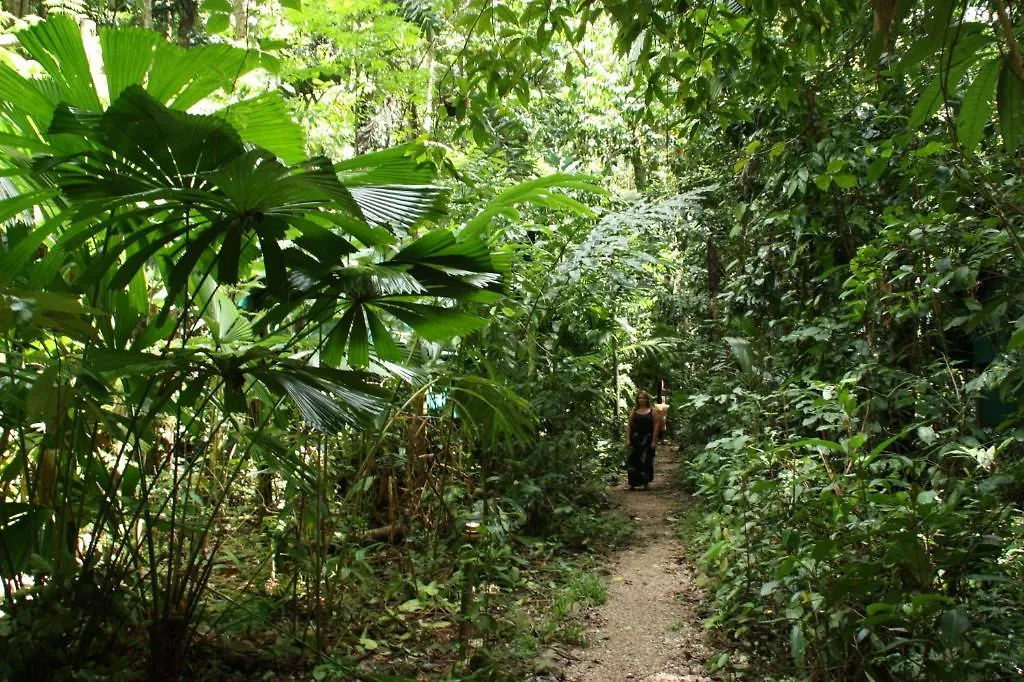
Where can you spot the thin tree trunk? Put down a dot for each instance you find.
(615, 370)
(146, 8)
(187, 21)
(714, 275)
(240, 13)
(639, 169)
(428, 107)
(18, 8)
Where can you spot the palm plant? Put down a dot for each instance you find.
(184, 270)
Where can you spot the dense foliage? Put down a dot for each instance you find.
(318, 324)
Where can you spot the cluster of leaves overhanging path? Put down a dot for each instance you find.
(299, 415)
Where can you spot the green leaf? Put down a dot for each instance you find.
(383, 343)
(845, 180)
(218, 23)
(267, 122)
(1017, 340)
(128, 55)
(411, 606)
(815, 442)
(823, 181)
(44, 397)
(20, 526)
(358, 340)
(877, 169)
(953, 623)
(182, 77)
(835, 165)
(325, 405)
(25, 97)
(57, 45)
(923, 48)
(398, 205)
(29, 144)
(797, 644)
(401, 165)
(933, 96)
(1010, 102)
(931, 149)
(976, 109)
(536, 191)
(21, 203)
(434, 323)
(221, 6)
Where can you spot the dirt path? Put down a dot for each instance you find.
(648, 630)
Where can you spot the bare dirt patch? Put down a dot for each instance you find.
(648, 629)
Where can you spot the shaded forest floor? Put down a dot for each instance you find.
(649, 628)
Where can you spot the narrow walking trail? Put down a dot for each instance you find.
(648, 630)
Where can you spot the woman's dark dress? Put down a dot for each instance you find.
(640, 464)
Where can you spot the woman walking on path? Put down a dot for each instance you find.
(641, 435)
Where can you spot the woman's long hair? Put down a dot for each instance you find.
(642, 395)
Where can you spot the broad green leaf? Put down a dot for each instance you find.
(318, 408)
(931, 149)
(953, 624)
(1010, 101)
(358, 340)
(1017, 340)
(20, 526)
(221, 6)
(25, 96)
(333, 353)
(815, 442)
(397, 205)
(534, 191)
(127, 57)
(44, 398)
(20, 254)
(218, 22)
(845, 180)
(266, 121)
(976, 109)
(57, 45)
(431, 322)
(920, 50)
(933, 96)
(182, 77)
(383, 343)
(29, 144)
(9, 208)
(797, 644)
(401, 165)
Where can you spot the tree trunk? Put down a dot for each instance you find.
(187, 21)
(639, 169)
(615, 369)
(18, 8)
(146, 11)
(240, 13)
(714, 275)
(428, 105)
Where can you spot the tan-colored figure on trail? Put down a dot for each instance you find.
(641, 435)
(660, 418)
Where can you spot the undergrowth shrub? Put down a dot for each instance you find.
(852, 556)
